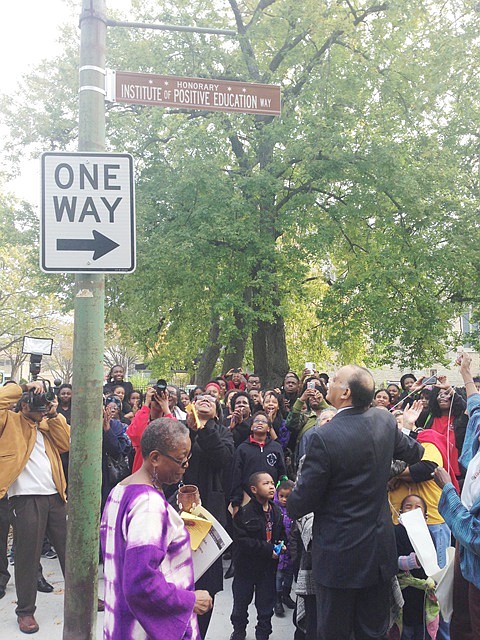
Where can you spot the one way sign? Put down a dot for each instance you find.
(88, 213)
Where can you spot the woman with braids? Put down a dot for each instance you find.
(116, 377)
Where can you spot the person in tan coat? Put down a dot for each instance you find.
(31, 441)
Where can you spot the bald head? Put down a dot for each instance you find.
(352, 386)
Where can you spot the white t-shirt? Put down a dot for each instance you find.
(471, 486)
(37, 477)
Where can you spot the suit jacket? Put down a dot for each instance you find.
(344, 482)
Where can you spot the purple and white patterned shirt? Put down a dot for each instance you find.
(148, 570)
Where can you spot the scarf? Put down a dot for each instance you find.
(439, 441)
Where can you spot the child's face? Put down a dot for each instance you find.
(119, 392)
(283, 496)
(413, 502)
(260, 425)
(265, 488)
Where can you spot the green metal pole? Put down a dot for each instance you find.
(84, 484)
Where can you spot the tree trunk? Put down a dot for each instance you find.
(259, 343)
(209, 356)
(270, 352)
(277, 357)
(235, 351)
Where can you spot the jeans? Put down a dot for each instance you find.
(263, 585)
(465, 624)
(284, 580)
(442, 539)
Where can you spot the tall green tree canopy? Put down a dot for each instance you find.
(345, 228)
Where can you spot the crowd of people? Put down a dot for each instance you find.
(309, 479)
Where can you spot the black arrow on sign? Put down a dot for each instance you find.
(100, 245)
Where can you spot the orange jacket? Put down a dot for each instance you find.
(18, 436)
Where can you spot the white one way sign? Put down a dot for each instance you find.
(88, 213)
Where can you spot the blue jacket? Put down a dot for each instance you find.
(465, 524)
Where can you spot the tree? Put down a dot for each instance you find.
(117, 353)
(368, 183)
(60, 362)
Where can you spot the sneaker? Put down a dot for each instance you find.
(50, 554)
(11, 559)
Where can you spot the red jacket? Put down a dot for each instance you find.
(135, 431)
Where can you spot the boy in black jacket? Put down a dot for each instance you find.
(257, 527)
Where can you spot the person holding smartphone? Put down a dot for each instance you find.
(156, 406)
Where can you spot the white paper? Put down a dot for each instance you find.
(419, 535)
(214, 544)
(444, 589)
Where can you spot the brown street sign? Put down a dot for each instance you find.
(193, 93)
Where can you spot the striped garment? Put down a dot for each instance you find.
(148, 570)
(464, 523)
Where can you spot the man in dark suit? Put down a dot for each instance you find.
(344, 482)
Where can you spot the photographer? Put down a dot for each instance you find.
(31, 471)
(156, 406)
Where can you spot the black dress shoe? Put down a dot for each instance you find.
(287, 601)
(229, 573)
(43, 585)
(2, 592)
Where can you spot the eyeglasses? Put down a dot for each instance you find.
(181, 463)
(208, 398)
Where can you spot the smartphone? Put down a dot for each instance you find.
(311, 384)
(430, 380)
(310, 366)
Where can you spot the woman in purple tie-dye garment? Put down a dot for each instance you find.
(148, 570)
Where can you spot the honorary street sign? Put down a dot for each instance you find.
(193, 93)
(88, 213)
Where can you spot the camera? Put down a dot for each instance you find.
(40, 401)
(161, 386)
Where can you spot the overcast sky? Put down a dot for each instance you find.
(28, 34)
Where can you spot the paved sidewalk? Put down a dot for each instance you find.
(49, 614)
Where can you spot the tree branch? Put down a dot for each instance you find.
(245, 46)
(263, 4)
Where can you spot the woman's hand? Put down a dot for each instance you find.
(442, 383)
(464, 360)
(237, 417)
(441, 477)
(203, 602)
(107, 415)
(411, 414)
(418, 384)
(148, 396)
(161, 398)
